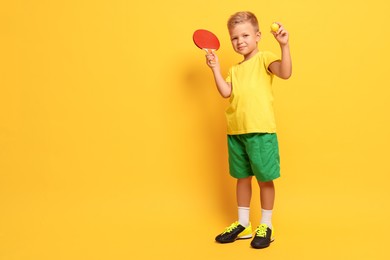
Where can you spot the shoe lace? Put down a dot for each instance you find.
(230, 228)
(261, 231)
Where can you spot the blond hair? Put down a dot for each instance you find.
(242, 17)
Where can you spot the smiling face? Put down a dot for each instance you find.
(244, 37)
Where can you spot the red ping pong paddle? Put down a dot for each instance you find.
(206, 40)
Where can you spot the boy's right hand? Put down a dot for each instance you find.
(224, 88)
(212, 60)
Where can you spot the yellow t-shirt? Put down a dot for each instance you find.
(251, 101)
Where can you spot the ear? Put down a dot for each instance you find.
(258, 36)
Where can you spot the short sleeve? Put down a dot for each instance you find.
(268, 58)
(229, 76)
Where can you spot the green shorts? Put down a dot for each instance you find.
(254, 154)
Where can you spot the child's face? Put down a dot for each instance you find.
(244, 38)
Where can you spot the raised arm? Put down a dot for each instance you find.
(224, 88)
(282, 68)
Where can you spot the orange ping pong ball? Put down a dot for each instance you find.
(274, 27)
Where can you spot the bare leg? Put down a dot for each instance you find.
(267, 195)
(244, 192)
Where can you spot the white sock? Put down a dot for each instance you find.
(266, 217)
(243, 216)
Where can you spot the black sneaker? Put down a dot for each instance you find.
(233, 232)
(263, 238)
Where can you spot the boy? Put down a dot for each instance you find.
(252, 141)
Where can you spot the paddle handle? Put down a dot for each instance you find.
(210, 51)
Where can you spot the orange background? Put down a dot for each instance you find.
(113, 141)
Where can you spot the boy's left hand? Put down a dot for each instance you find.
(281, 35)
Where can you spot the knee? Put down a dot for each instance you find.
(245, 180)
(268, 184)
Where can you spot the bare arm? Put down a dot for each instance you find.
(282, 68)
(224, 88)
